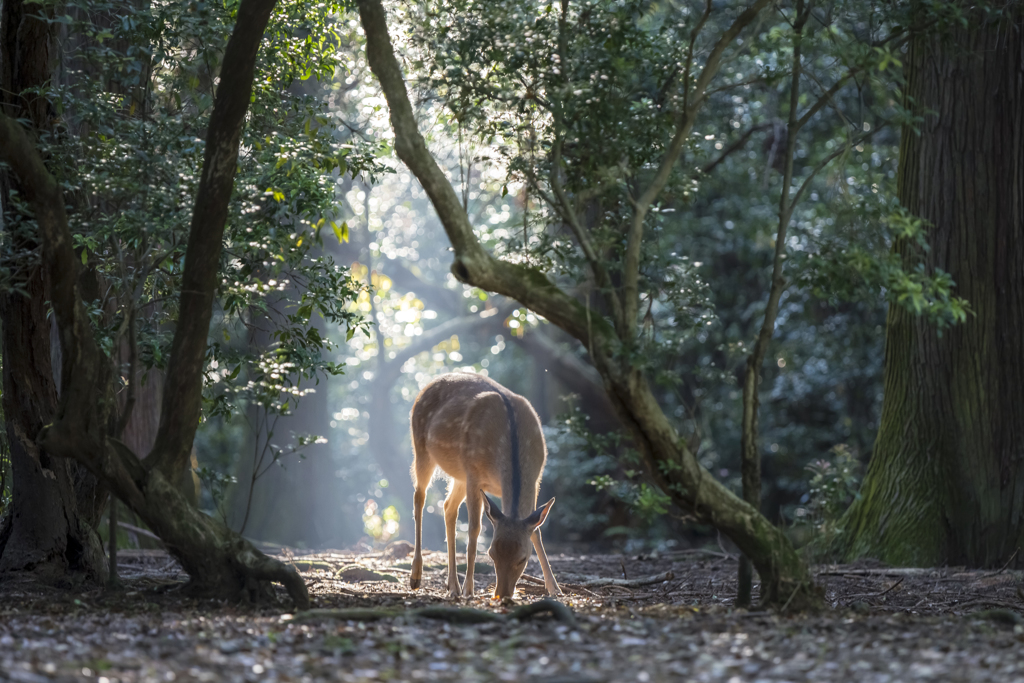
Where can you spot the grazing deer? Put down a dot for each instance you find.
(488, 440)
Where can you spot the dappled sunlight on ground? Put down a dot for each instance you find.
(672, 623)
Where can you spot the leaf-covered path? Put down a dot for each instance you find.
(884, 625)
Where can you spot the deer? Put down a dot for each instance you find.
(488, 440)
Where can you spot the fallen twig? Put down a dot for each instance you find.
(453, 615)
(875, 595)
(636, 596)
(892, 571)
(698, 551)
(580, 589)
(1009, 561)
(631, 583)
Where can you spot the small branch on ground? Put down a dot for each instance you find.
(629, 583)
(891, 571)
(452, 615)
(1009, 561)
(878, 594)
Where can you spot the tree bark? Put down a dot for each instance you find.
(49, 530)
(220, 563)
(945, 484)
(672, 465)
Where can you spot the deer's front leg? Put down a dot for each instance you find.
(475, 508)
(456, 495)
(550, 585)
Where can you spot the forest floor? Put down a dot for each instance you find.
(879, 625)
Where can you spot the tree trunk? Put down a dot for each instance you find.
(945, 484)
(47, 535)
(220, 563)
(56, 503)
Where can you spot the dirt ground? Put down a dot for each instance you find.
(881, 625)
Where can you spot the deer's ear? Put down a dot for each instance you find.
(538, 516)
(492, 510)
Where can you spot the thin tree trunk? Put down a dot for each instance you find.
(945, 484)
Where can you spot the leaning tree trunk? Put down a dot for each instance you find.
(785, 578)
(945, 484)
(50, 528)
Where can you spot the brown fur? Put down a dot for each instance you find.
(460, 423)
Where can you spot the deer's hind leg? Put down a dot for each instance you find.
(475, 507)
(456, 494)
(422, 472)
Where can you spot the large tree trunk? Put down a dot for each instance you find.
(49, 530)
(945, 484)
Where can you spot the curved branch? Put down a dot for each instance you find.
(709, 167)
(472, 262)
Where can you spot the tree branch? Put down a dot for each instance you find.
(631, 264)
(569, 215)
(824, 99)
(709, 167)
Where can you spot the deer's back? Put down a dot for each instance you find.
(461, 422)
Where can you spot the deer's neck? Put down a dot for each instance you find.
(512, 484)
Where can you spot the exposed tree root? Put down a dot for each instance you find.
(453, 615)
(252, 563)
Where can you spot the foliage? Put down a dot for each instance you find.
(853, 266)
(624, 483)
(834, 485)
(578, 102)
(128, 150)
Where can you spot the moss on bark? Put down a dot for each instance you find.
(946, 479)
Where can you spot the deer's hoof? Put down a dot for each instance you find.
(454, 593)
(414, 583)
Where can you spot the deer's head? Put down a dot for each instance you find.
(511, 546)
